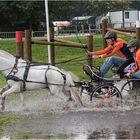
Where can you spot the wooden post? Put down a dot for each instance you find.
(19, 45)
(28, 45)
(52, 48)
(89, 48)
(138, 30)
(104, 30)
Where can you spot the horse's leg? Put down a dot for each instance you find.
(6, 87)
(57, 91)
(23, 101)
(14, 88)
(2, 103)
(67, 93)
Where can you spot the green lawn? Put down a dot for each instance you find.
(39, 53)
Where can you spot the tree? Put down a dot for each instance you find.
(21, 15)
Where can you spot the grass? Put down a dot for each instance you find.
(40, 54)
(6, 120)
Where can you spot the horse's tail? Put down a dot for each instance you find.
(70, 83)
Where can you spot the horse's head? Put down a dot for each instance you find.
(6, 59)
(6, 54)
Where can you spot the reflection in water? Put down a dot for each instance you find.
(104, 133)
(120, 133)
(81, 137)
(5, 138)
(123, 134)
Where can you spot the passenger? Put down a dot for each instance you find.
(134, 47)
(115, 46)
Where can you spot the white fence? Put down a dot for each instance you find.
(4, 35)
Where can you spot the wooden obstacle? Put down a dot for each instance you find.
(54, 42)
(19, 45)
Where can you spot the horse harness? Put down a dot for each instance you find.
(11, 75)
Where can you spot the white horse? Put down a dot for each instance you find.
(20, 78)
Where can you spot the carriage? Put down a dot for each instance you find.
(99, 87)
(22, 75)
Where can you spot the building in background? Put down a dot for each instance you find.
(120, 19)
(61, 25)
(83, 23)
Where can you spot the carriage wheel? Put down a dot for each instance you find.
(130, 87)
(106, 91)
(127, 87)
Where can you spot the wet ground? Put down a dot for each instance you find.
(48, 117)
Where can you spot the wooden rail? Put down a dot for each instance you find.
(66, 44)
(120, 32)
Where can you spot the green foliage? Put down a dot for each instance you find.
(21, 15)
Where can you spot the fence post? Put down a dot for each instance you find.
(28, 45)
(52, 48)
(138, 30)
(89, 48)
(104, 30)
(19, 45)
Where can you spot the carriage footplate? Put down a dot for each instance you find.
(94, 76)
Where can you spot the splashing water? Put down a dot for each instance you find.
(41, 100)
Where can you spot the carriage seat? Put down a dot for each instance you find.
(96, 77)
(93, 75)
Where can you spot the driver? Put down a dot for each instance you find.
(115, 46)
(134, 47)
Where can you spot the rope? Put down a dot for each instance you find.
(68, 60)
(94, 65)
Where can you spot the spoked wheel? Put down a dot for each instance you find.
(106, 91)
(127, 87)
(131, 87)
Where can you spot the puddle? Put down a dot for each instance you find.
(48, 117)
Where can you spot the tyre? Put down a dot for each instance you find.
(127, 87)
(131, 87)
(106, 91)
